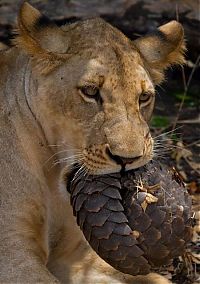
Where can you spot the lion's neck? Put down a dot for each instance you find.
(14, 101)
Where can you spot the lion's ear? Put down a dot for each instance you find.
(162, 49)
(38, 35)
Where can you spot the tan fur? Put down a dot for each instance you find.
(3, 46)
(47, 124)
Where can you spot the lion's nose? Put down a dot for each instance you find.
(122, 160)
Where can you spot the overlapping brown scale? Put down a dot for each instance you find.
(141, 224)
(98, 218)
(81, 218)
(104, 231)
(95, 203)
(122, 229)
(178, 226)
(187, 233)
(157, 217)
(114, 205)
(131, 235)
(112, 193)
(151, 236)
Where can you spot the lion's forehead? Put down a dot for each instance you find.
(127, 70)
(144, 78)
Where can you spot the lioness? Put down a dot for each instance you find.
(78, 94)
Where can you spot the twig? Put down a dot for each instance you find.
(177, 12)
(188, 121)
(186, 87)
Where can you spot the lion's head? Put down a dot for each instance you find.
(92, 89)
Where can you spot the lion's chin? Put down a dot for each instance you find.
(104, 171)
(140, 163)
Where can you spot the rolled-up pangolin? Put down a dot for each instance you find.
(137, 220)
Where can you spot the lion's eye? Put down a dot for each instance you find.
(145, 97)
(91, 92)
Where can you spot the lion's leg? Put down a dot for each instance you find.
(23, 234)
(94, 270)
(86, 267)
(70, 249)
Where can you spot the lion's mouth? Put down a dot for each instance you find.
(99, 159)
(133, 226)
(121, 161)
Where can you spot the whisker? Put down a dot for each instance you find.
(168, 132)
(161, 148)
(75, 157)
(166, 146)
(77, 174)
(55, 145)
(161, 151)
(67, 150)
(75, 160)
(59, 152)
(63, 151)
